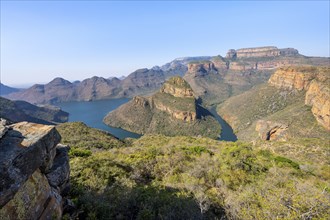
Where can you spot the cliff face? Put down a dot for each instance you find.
(315, 81)
(292, 78)
(35, 172)
(171, 111)
(261, 52)
(318, 96)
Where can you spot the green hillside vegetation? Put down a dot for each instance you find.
(84, 140)
(175, 103)
(159, 177)
(260, 101)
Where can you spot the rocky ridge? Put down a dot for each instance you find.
(34, 172)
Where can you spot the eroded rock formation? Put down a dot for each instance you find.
(315, 81)
(34, 172)
(269, 130)
(318, 96)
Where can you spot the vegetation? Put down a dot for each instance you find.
(159, 177)
(78, 135)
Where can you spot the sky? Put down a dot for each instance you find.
(41, 40)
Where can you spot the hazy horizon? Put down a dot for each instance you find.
(41, 40)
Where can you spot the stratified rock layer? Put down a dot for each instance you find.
(315, 81)
(34, 172)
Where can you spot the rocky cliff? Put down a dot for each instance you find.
(269, 51)
(16, 111)
(314, 81)
(34, 172)
(171, 111)
(279, 110)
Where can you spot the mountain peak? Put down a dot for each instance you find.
(59, 81)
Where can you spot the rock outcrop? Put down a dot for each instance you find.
(315, 81)
(201, 68)
(270, 51)
(290, 78)
(269, 130)
(34, 172)
(171, 111)
(177, 87)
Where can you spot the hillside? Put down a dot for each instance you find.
(5, 90)
(171, 111)
(16, 111)
(79, 136)
(224, 77)
(294, 103)
(159, 177)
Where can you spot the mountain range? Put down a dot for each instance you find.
(214, 79)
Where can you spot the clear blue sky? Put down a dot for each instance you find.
(41, 40)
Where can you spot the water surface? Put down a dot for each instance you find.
(92, 114)
(227, 133)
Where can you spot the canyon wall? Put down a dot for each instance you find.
(315, 81)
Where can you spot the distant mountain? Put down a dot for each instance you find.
(5, 90)
(16, 111)
(214, 79)
(171, 111)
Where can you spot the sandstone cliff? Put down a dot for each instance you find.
(269, 51)
(315, 81)
(171, 111)
(279, 110)
(34, 172)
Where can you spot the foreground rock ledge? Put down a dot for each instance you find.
(34, 172)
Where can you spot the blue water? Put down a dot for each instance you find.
(227, 133)
(92, 114)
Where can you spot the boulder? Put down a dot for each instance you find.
(34, 172)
